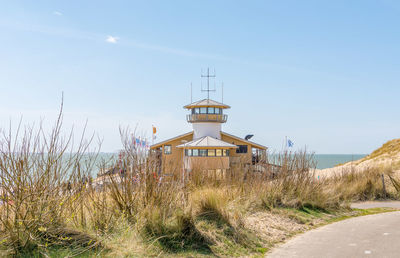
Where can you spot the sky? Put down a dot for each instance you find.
(323, 73)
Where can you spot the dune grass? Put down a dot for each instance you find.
(390, 148)
(50, 207)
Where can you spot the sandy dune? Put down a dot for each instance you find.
(386, 157)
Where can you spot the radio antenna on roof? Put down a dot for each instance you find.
(222, 88)
(191, 93)
(208, 76)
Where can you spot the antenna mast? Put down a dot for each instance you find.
(208, 76)
(222, 93)
(191, 93)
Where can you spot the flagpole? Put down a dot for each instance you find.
(152, 138)
(286, 144)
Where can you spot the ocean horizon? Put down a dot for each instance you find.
(331, 160)
(322, 160)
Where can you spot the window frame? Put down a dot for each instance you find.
(167, 146)
(203, 152)
(207, 152)
(242, 149)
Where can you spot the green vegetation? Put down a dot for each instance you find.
(50, 207)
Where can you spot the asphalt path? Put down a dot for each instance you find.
(366, 236)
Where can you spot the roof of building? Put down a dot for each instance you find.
(244, 140)
(159, 144)
(207, 142)
(223, 133)
(206, 103)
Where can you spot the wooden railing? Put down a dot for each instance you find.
(206, 118)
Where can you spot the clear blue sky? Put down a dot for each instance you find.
(324, 73)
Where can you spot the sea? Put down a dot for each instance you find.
(322, 160)
(331, 160)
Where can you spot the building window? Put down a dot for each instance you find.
(211, 110)
(241, 149)
(217, 111)
(167, 149)
(207, 152)
(203, 153)
(203, 110)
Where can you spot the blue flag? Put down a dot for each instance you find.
(290, 143)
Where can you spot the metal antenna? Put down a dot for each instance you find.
(222, 93)
(191, 93)
(208, 76)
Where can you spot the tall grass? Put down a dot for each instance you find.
(42, 182)
(49, 201)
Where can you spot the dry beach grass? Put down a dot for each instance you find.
(50, 208)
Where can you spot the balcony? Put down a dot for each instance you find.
(193, 118)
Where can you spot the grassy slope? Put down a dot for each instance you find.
(255, 245)
(49, 206)
(390, 149)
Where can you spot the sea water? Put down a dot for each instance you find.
(331, 160)
(322, 160)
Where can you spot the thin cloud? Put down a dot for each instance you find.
(85, 35)
(111, 39)
(168, 50)
(57, 13)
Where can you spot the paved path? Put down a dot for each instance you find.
(367, 236)
(376, 204)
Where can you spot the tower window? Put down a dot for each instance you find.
(211, 153)
(195, 152)
(203, 153)
(241, 149)
(217, 111)
(167, 149)
(211, 110)
(203, 110)
(218, 152)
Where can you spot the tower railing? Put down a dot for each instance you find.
(221, 118)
